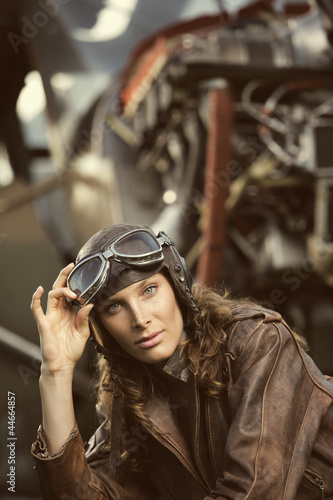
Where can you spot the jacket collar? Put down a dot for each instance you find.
(176, 366)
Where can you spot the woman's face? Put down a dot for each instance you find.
(145, 319)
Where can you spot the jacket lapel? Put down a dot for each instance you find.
(167, 432)
(201, 435)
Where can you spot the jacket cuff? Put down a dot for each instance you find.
(39, 447)
(66, 474)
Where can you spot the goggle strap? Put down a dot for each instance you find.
(164, 239)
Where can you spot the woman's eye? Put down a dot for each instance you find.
(150, 289)
(113, 307)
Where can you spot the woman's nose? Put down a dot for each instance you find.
(139, 316)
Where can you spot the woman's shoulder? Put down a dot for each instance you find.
(239, 319)
(242, 311)
(251, 321)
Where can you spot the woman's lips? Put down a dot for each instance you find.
(152, 340)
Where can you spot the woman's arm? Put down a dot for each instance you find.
(57, 408)
(63, 335)
(66, 474)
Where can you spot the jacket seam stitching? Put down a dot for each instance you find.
(314, 381)
(198, 416)
(248, 337)
(211, 441)
(298, 437)
(262, 416)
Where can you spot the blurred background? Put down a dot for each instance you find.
(210, 120)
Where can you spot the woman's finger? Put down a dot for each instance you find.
(58, 294)
(61, 280)
(35, 306)
(82, 320)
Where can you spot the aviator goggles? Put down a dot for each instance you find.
(139, 249)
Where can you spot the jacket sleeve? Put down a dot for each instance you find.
(275, 413)
(68, 475)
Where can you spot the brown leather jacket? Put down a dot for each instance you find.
(269, 438)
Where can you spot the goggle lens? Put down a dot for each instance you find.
(85, 275)
(139, 246)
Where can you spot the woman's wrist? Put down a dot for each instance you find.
(57, 407)
(63, 373)
(59, 383)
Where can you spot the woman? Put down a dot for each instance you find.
(199, 396)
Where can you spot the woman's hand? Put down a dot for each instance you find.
(63, 332)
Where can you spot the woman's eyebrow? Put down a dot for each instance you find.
(138, 285)
(109, 301)
(112, 300)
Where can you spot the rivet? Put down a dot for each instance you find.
(177, 268)
(181, 278)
